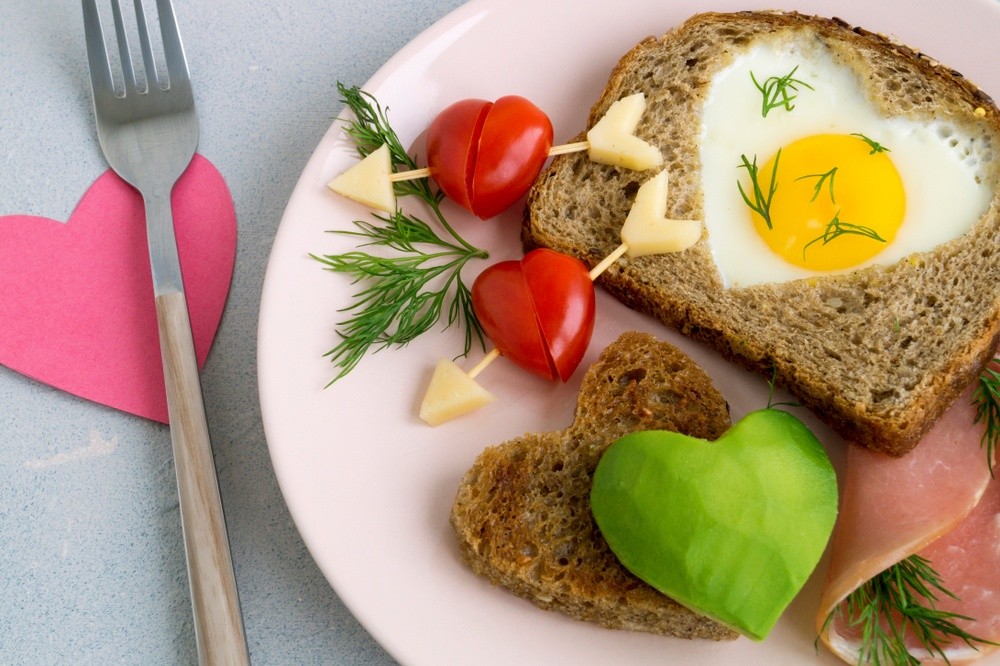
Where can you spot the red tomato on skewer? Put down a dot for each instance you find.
(486, 155)
(539, 311)
(506, 311)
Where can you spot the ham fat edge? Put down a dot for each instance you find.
(938, 502)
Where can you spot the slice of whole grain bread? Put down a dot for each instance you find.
(878, 353)
(522, 513)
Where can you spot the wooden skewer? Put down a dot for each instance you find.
(489, 358)
(413, 174)
(595, 272)
(409, 175)
(569, 148)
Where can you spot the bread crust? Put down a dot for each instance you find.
(878, 353)
(522, 512)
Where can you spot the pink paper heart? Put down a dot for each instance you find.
(76, 299)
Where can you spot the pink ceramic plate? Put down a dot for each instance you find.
(368, 484)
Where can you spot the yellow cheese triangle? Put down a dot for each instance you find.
(451, 393)
(367, 182)
(647, 230)
(613, 140)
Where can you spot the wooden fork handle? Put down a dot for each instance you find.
(217, 620)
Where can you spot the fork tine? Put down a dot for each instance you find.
(97, 55)
(131, 84)
(173, 50)
(147, 50)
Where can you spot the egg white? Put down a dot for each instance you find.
(939, 166)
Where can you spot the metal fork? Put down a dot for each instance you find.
(149, 135)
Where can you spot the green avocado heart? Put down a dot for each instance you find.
(731, 528)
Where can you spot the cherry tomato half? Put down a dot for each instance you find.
(505, 309)
(539, 311)
(486, 155)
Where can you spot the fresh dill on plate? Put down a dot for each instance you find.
(875, 146)
(826, 177)
(761, 203)
(417, 281)
(901, 601)
(987, 401)
(778, 91)
(836, 228)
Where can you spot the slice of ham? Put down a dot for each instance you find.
(938, 502)
(968, 560)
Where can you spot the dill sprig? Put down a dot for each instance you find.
(875, 146)
(761, 203)
(370, 129)
(837, 228)
(901, 601)
(826, 177)
(775, 91)
(405, 291)
(404, 295)
(987, 401)
(771, 386)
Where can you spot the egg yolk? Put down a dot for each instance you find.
(837, 201)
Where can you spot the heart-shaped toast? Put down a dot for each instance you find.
(730, 528)
(522, 513)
